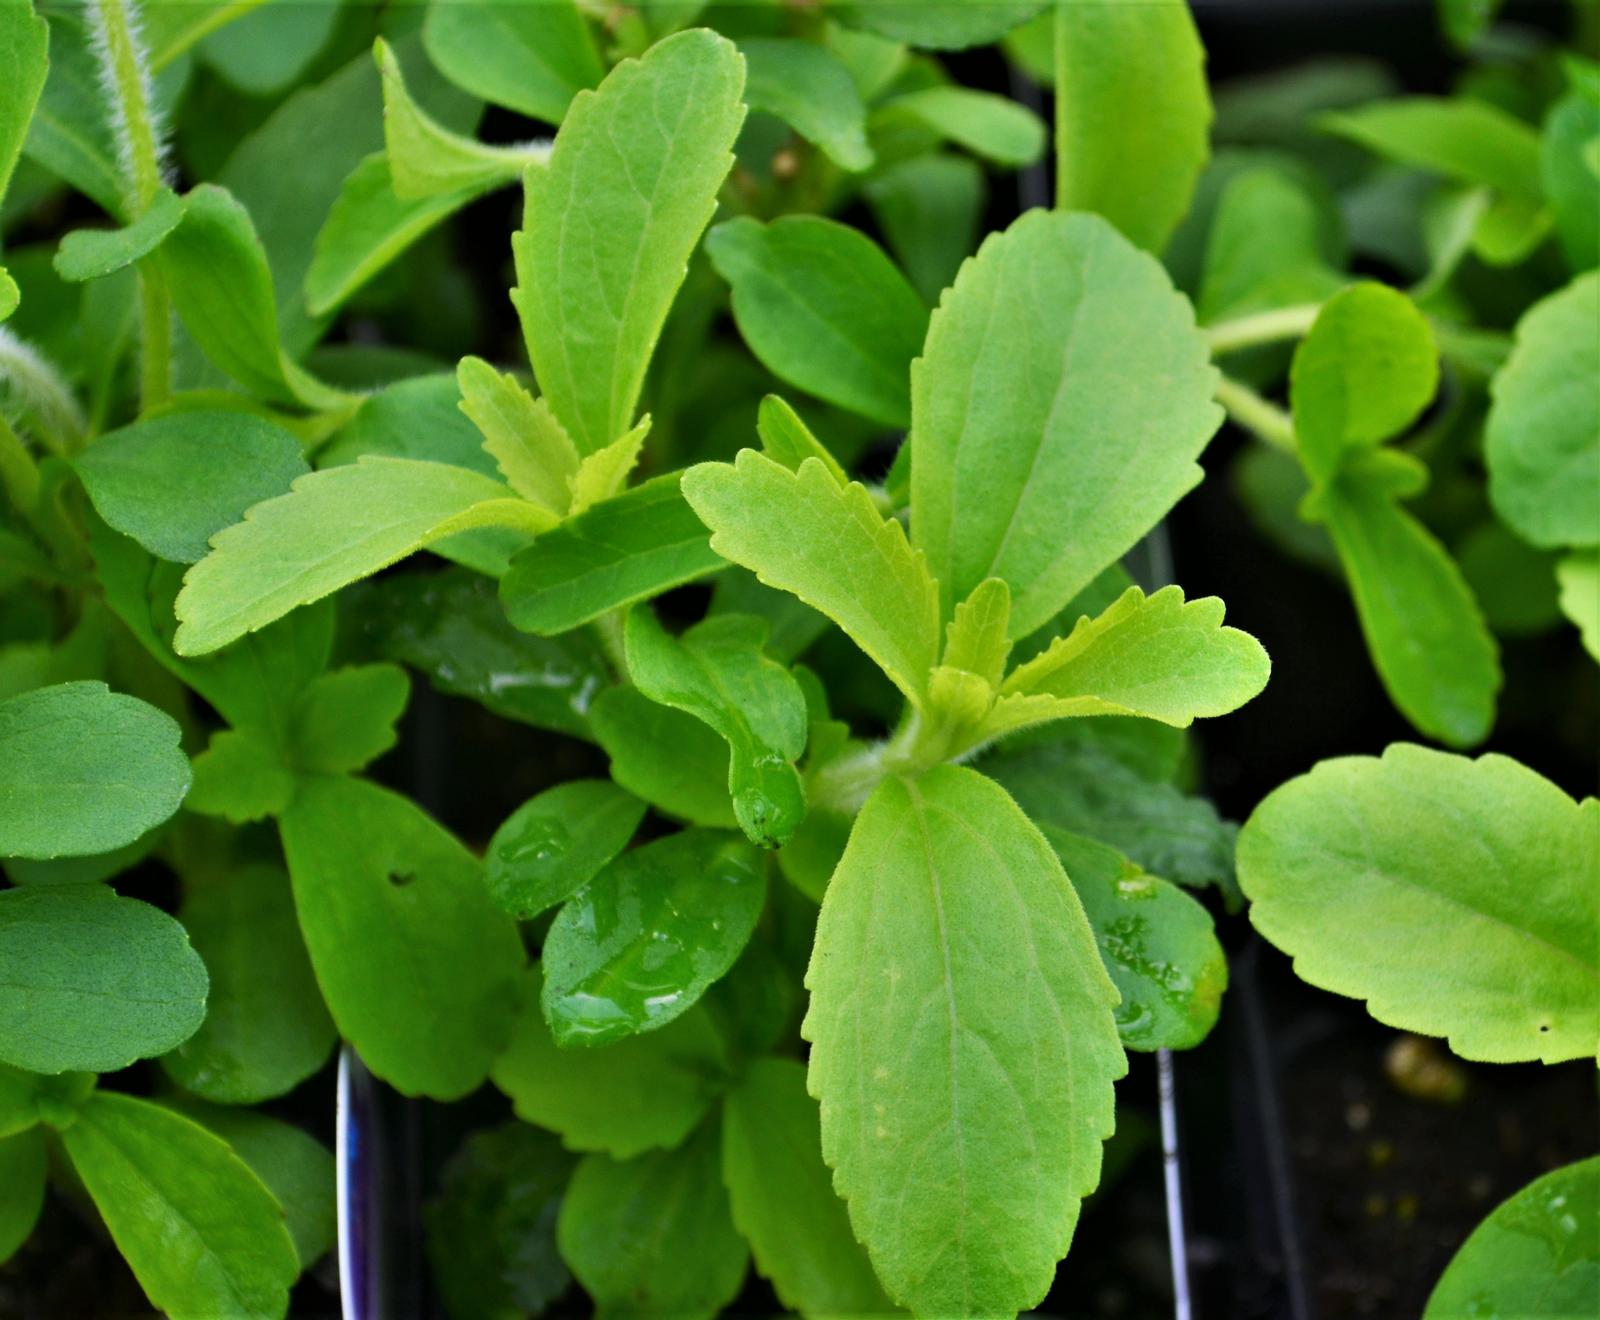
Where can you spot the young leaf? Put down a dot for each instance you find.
(976, 641)
(1543, 435)
(716, 672)
(28, 1099)
(90, 254)
(417, 966)
(603, 473)
(1533, 1256)
(201, 1232)
(963, 1045)
(1132, 114)
(531, 448)
(345, 719)
(533, 58)
(640, 943)
(671, 760)
(653, 1236)
(1343, 866)
(93, 981)
(803, 533)
(84, 770)
(929, 208)
(1579, 577)
(333, 528)
(265, 1029)
(611, 222)
(988, 125)
(810, 89)
(24, 1162)
(783, 1200)
(786, 439)
(1157, 943)
(555, 843)
(1030, 431)
(637, 544)
(823, 308)
(142, 477)
(637, 1094)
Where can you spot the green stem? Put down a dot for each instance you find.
(1265, 420)
(19, 474)
(1261, 328)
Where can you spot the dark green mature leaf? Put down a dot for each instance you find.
(823, 308)
(555, 843)
(637, 544)
(653, 1236)
(265, 1029)
(783, 1199)
(28, 1099)
(963, 1045)
(529, 57)
(1343, 866)
(142, 478)
(640, 943)
(24, 64)
(642, 1092)
(809, 88)
(1132, 114)
(200, 1230)
(671, 760)
(612, 220)
(1029, 431)
(93, 981)
(84, 770)
(90, 254)
(941, 24)
(929, 208)
(1543, 435)
(1534, 1256)
(70, 132)
(417, 966)
(24, 1162)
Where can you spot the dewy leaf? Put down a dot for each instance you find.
(1535, 1255)
(529, 57)
(783, 1199)
(822, 308)
(670, 759)
(89, 254)
(716, 671)
(940, 25)
(929, 208)
(809, 88)
(640, 943)
(417, 965)
(637, 544)
(555, 843)
(1133, 114)
(199, 1229)
(803, 533)
(23, 1165)
(986, 124)
(142, 477)
(332, 528)
(963, 1045)
(345, 719)
(1364, 373)
(612, 220)
(84, 770)
(1579, 577)
(786, 439)
(266, 1029)
(1345, 865)
(1157, 943)
(1543, 435)
(531, 448)
(653, 1236)
(24, 64)
(634, 1095)
(1059, 405)
(93, 981)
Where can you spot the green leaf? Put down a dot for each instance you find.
(963, 1045)
(640, 943)
(1364, 373)
(822, 308)
(267, 49)
(1533, 1256)
(803, 533)
(265, 1029)
(612, 220)
(786, 439)
(1514, 584)
(93, 981)
(531, 448)
(1542, 440)
(142, 477)
(345, 719)
(24, 64)
(241, 777)
(976, 641)
(84, 770)
(28, 1099)
(1157, 943)
(201, 1232)
(333, 528)
(1133, 114)
(1345, 865)
(783, 1199)
(940, 25)
(929, 208)
(716, 672)
(1462, 138)
(1031, 429)
(416, 964)
(555, 843)
(637, 544)
(10, 295)
(810, 89)
(1571, 181)
(24, 1163)
(70, 132)
(529, 57)
(90, 254)
(1266, 247)
(1579, 576)
(639, 1093)
(653, 1236)
(603, 473)
(994, 127)
(671, 760)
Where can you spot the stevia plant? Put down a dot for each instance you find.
(831, 960)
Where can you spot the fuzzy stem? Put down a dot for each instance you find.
(56, 420)
(1262, 328)
(1265, 420)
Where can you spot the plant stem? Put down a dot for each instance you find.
(1265, 420)
(19, 474)
(1261, 328)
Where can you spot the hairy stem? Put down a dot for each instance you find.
(1261, 328)
(36, 388)
(1263, 419)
